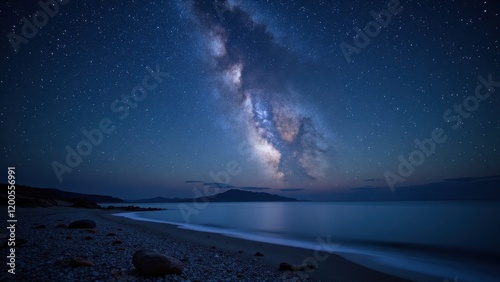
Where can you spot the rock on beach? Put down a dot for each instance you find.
(82, 224)
(153, 264)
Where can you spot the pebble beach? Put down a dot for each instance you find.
(47, 250)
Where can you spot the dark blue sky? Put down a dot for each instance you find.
(290, 95)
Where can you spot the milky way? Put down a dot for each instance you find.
(261, 83)
(254, 76)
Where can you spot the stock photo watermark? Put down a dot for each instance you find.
(323, 251)
(11, 219)
(29, 29)
(372, 29)
(427, 147)
(95, 136)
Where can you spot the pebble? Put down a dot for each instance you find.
(37, 258)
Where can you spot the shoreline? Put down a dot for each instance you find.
(334, 268)
(206, 256)
(363, 256)
(416, 262)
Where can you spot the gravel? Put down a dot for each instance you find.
(41, 258)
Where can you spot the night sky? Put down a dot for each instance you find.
(297, 98)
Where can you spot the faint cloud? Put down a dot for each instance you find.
(218, 185)
(255, 188)
(469, 179)
(370, 188)
(194, 181)
(291, 189)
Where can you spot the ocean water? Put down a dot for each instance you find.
(419, 240)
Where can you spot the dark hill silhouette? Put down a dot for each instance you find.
(233, 195)
(30, 196)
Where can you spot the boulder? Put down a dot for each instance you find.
(285, 267)
(289, 267)
(83, 223)
(153, 264)
(75, 262)
(20, 242)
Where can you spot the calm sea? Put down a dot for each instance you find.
(405, 237)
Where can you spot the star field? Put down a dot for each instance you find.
(263, 84)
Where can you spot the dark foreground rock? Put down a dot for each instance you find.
(82, 224)
(75, 262)
(290, 267)
(153, 264)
